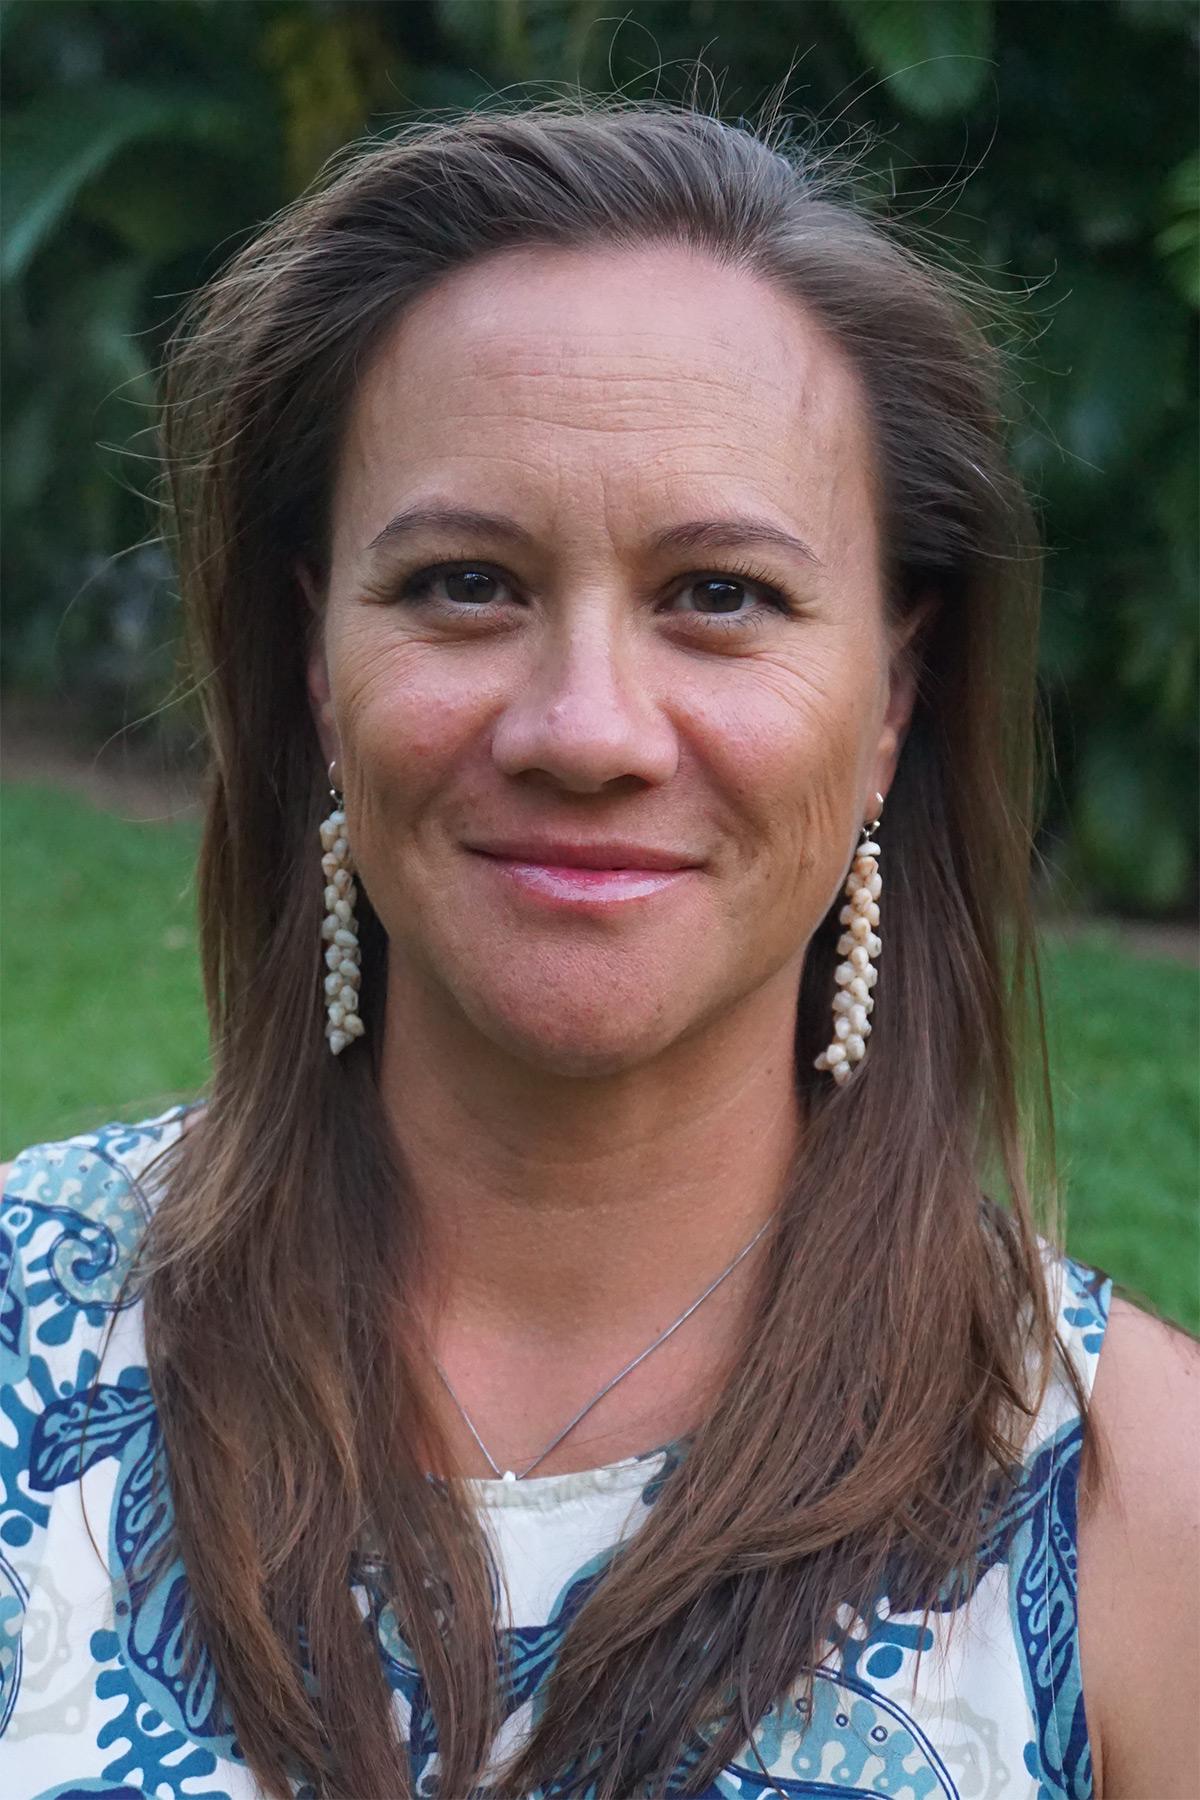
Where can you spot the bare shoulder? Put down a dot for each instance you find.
(1139, 1561)
(6, 1170)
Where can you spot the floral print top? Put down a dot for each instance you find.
(93, 1698)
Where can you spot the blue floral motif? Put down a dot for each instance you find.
(879, 1650)
(92, 1790)
(119, 1421)
(1089, 1312)
(73, 1282)
(857, 1742)
(14, 1598)
(145, 1747)
(526, 1656)
(672, 1455)
(72, 1219)
(76, 1432)
(82, 1185)
(1043, 1599)
(12, 1311)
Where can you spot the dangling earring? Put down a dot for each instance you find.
(858, 944)
(339, 933)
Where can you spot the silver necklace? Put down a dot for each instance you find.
(556, 1440)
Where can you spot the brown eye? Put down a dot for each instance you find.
(719, 595)
(463, 586)
(734, 599)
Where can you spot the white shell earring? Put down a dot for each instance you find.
(339, 933)
(856, 976)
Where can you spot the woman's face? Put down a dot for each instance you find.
(671, 636)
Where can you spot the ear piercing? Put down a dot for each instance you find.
(339, 933)
(856, 976)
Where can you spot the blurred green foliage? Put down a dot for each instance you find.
(1050, 146)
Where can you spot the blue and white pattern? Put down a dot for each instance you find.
(982, 1700)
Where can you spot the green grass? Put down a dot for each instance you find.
(1124, 1035)
(102, 1015)
(102, 1019)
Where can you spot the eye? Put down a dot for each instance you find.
(463, 585)
(722, 599)
(730, 600)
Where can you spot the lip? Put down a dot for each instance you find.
(563, 885)
(587, 884)
(560, 853)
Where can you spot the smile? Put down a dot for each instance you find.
(571, 886)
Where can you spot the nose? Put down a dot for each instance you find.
(585, 714)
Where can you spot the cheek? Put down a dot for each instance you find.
(407, 719)
(402, 707)
(788, 752)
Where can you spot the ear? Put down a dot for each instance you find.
(902, 695)
(317, 669)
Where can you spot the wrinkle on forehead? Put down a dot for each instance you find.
(545, 371)
(546, 318)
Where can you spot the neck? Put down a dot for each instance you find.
(562, 1206)
(568, 1220)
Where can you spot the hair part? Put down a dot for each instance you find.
(291, 1382)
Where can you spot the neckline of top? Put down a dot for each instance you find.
(542, 1493)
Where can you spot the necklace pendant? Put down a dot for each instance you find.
(510, 1475)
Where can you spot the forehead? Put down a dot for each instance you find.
(636, 377)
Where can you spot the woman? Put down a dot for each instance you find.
(595, 1339)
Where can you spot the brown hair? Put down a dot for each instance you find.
(902, 1334)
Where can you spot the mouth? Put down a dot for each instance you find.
(575, 853)
(578, 883)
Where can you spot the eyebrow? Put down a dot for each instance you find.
(736, 532)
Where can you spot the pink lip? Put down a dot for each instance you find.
(570, 884)
(564, 853)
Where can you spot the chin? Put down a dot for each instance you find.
(579, 1062)
(573, 1040)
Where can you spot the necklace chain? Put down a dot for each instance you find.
(556, 1440)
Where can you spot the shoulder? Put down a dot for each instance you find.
(72, 1213)
(78, 1430)
(1139, 1559)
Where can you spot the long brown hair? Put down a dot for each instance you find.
(901, 1333)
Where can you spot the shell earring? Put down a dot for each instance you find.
(339, 933)
(856, 976)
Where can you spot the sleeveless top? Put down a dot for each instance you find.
(93, 1700)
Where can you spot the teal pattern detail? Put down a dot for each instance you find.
(97, 1696)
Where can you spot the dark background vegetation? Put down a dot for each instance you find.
(1051, 146)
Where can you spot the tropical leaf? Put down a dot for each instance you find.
(29, 449)
(935, 54)
(136, 198)
(1113, 373)
(51, 151)
(1178, 243)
